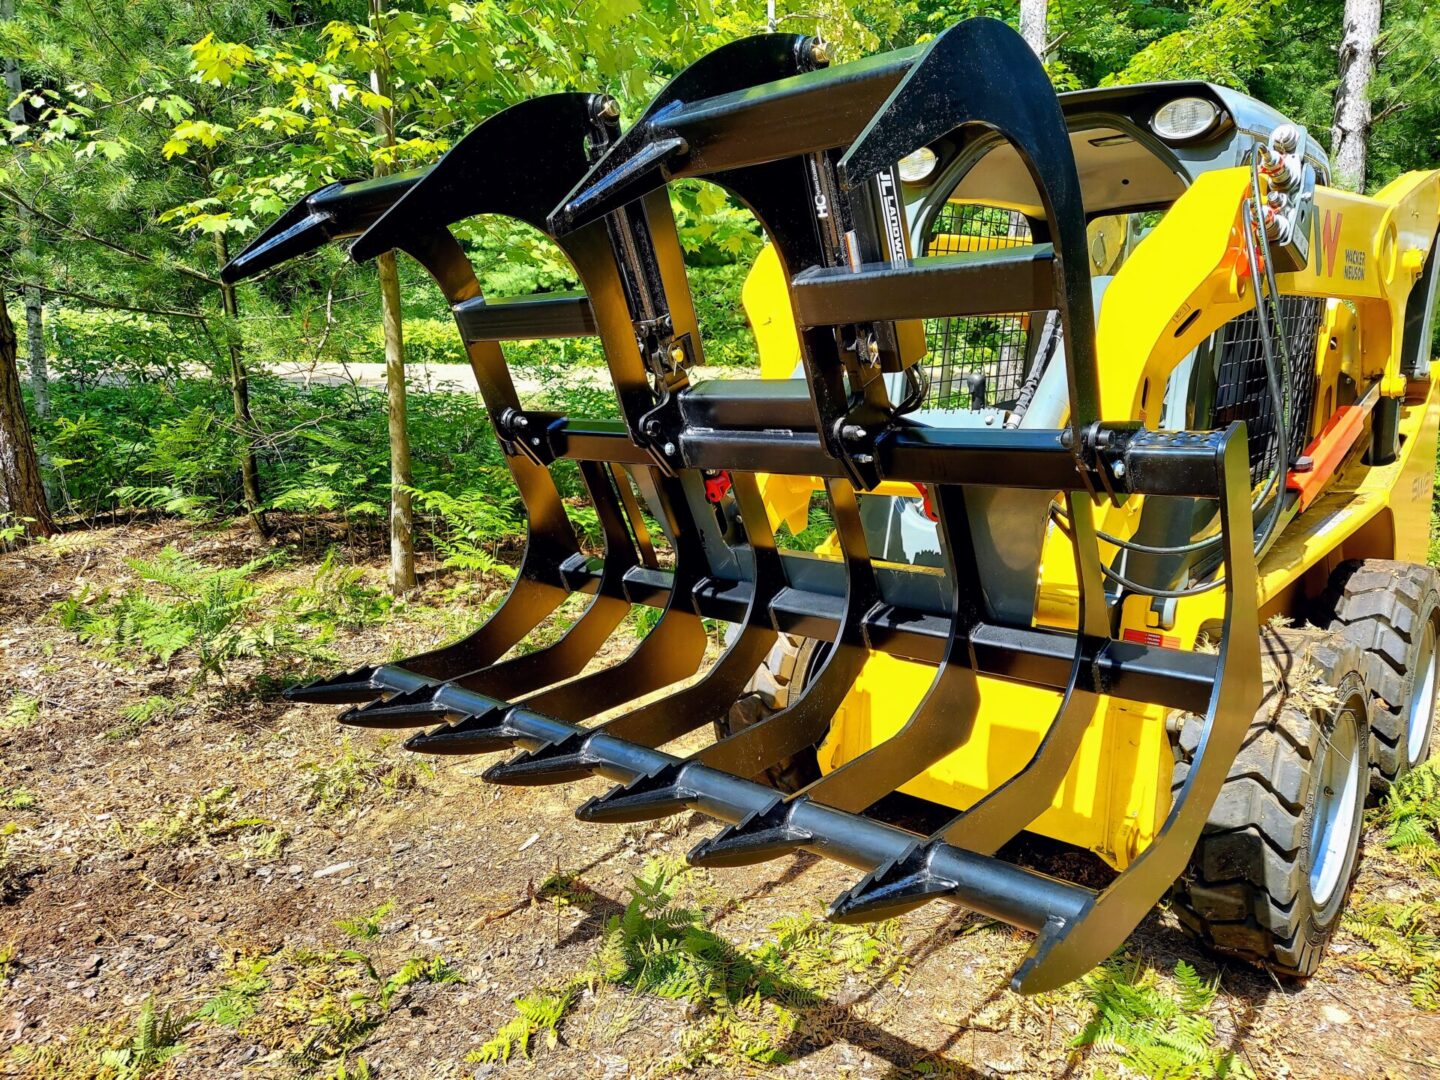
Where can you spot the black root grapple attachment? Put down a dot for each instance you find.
(812, 152)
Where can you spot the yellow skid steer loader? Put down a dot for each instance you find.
(1124, 422)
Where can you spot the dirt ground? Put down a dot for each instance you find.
(232, 851)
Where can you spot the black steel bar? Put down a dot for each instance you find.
(938, 286)
(527, 318)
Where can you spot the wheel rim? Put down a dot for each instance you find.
(1332, 834)
(1422, 699)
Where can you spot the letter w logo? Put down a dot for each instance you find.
(1328, 238)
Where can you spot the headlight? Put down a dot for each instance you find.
(1184, 118)
(917, 166)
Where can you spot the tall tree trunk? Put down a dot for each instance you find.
(1032, 25)
(22, 495)
(240, 396)
(402, 517)
(34, 313)
(1350, 135)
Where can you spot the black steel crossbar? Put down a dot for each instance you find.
(526, 318)
(938, 286)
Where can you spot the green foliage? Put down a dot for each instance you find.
(1154, 1029)
(344, 998)
(141, 714)
(21, 711)
(156, 1041)
(238, 999)
(338, 598)
(366, 926)
(1411, 812)
(358, 774)
(1402, 939)
(471, 527)
(202, 820)
(747, 1003)
(210, 613)
(18, 798)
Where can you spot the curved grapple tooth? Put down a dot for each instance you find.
(476, 733)
(762, 835)
(555, 763)
(646, 798)
(347, 688)
(412, 708)
(891, 889)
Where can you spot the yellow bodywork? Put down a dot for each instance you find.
(1186, 280)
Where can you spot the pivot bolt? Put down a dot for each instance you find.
(819, 53)
(608, 109)
(669, 449)
(1118, 469)
(853, 433)
(677, 355)
(1285, 138)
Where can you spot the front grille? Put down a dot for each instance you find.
(1241, 389)
(977, 361)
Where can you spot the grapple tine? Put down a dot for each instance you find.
(890, 890)
(474, 733)
(757, 837)
(553, 763)
(647, 798)
(411, 708)
(349, 687)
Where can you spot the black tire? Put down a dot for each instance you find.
(1263, 885)
(787, 670)
(1391, 610)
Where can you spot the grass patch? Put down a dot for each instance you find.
(746, 1003)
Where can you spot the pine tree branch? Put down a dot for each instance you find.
(86, 234)
(164, 313)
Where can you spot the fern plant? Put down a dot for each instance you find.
(1403, 940)
(1153, 1031)
(1410, 815)
(211, 613)
(748, 1002)
(156, 1041)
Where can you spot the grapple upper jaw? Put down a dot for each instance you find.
(333, 212)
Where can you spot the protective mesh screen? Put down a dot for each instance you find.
(1241, 390)
(975, 361)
